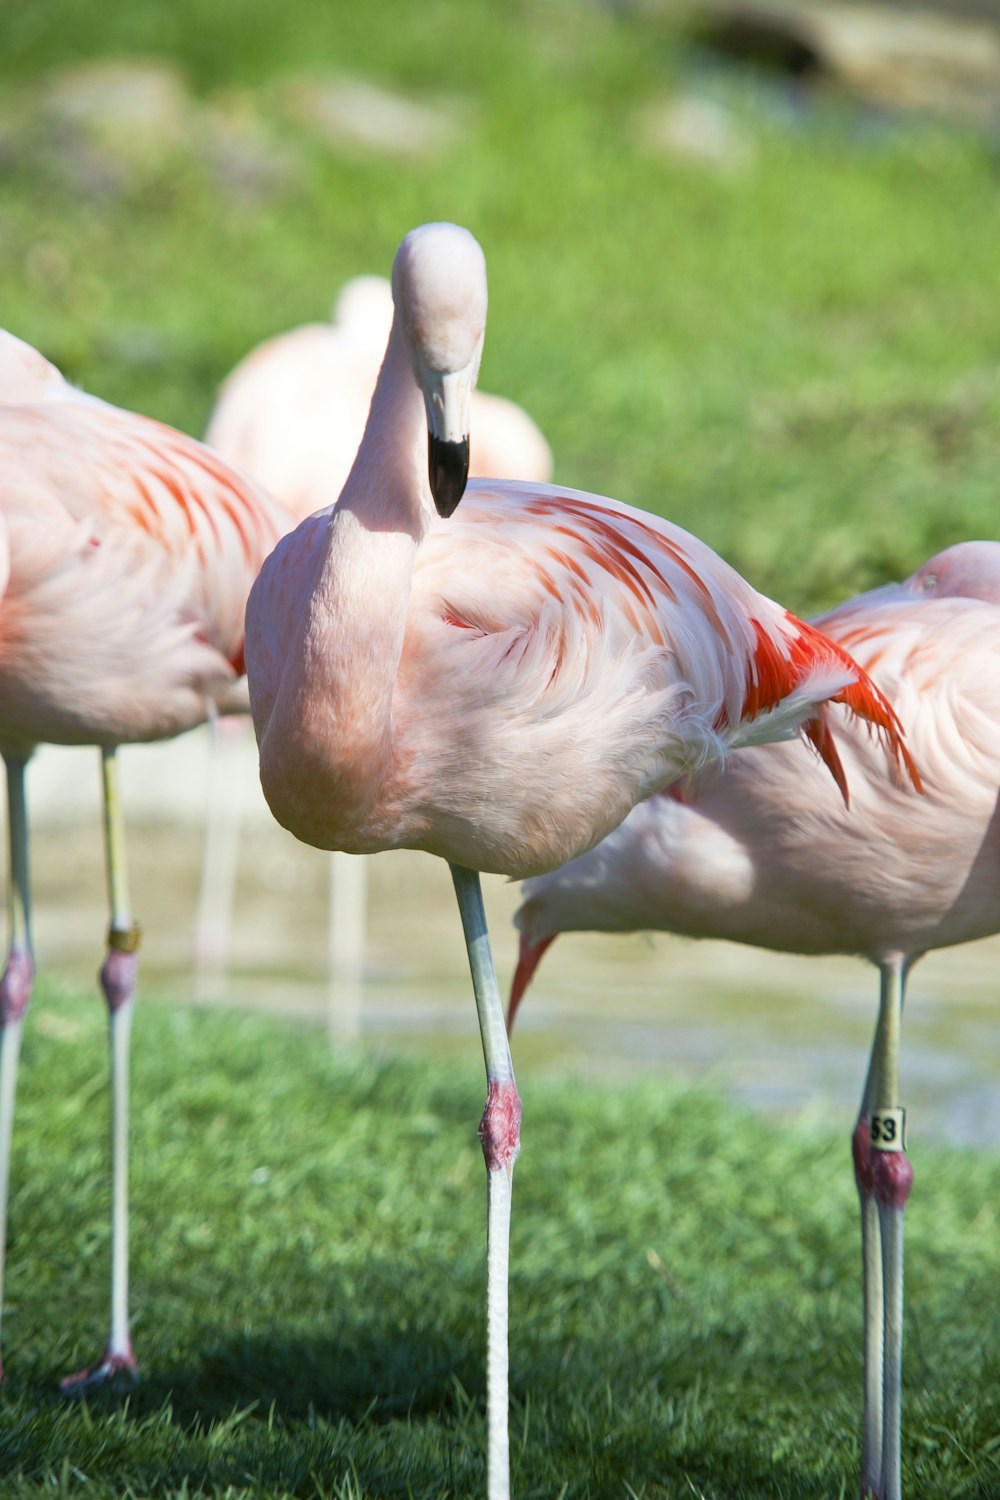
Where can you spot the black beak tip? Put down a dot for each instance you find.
(448, 469)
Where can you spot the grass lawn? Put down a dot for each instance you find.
(309, 1278)
(797, 357)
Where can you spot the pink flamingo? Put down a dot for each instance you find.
(126, 554)
(291, 414)
(767, 854)
(499, 686)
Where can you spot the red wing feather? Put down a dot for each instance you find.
(774, 675)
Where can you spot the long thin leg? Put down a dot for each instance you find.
(893, 1179)
(500, 1134)
(346, 961)
(871, 1255)
(118, 976)
(220, 856)
(884, 1180)
(15, 985)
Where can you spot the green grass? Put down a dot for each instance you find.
(309, 1276)
(798, 361)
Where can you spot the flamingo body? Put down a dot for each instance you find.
(559, 657)
(126, 554)
(767, 854)
(127, 551)
(499, 684)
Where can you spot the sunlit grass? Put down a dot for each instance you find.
(309, 1278)
(797, 359)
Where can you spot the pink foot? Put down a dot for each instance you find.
(114, 1369)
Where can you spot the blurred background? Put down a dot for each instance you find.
(744, 272)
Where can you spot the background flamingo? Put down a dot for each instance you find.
(292, 413)
(500, 687)
(293, 410)
(768, 854)
(127, 551)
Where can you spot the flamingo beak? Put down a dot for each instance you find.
(448, 470)
(447, 397)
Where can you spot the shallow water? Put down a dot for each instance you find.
(785, 1034)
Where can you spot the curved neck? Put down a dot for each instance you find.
(387, 487)
(359, 606)
(339, 691)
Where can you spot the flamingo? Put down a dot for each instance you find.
(765, 855)
(498, 685)
(292, 413)
(126, 554)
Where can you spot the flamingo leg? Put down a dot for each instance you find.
(500, 1134)
(117, 977)
(884, 1177)
(15, 985)
(871, 1264)
(346, 951)
(220, 856)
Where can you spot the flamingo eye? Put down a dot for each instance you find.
(930, 581)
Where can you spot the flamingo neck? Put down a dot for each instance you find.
(359, 607)
(355, 620)
(387, 487)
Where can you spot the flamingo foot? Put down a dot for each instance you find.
(118, 1371)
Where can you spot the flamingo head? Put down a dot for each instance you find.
(439, 291)
(968, 570)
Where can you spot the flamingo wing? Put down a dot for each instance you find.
(562, 596)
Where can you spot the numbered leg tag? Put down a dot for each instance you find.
(889, 1129)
